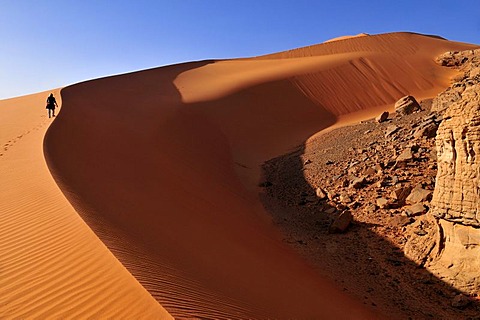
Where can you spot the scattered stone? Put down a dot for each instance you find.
(329, 162)
(382, 203)
(405, 156)
(358, 183)
(415, 210)
(400, 194)
(382, 117)
(369, 171)
(460, 301)
(321, 194)
(407, 105)
(418, 194)
(394, 180)
(308, 161)
(391, 129)
(370, 208)
(400, 221)
(345, 198)
(341, 224)
(331, 195)
(331, 210)
(428, 131)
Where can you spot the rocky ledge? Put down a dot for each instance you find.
(368, 204)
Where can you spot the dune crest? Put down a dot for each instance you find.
(163, 164)
(347, 37)
(51, 263)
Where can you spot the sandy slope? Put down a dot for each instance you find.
(163, 165)
(51, 263)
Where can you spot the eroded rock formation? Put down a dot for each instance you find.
(456, 199)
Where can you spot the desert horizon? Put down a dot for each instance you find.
(170, 192)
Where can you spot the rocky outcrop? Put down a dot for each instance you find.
(456, 198)
(468, 65)
(407, 105)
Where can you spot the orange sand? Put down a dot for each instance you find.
(163, 165)
(51, 264)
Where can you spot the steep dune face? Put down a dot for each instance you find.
(163, 165)
(51, 263)
(380, 70)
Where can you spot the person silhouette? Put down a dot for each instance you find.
(51, 104)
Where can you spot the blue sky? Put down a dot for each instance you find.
(48, 44)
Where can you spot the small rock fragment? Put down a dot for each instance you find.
(405, 156)
(331, 210)
(358, 182)
(400, 194)
(429, 131)
(340, 225)
(391, 129)
(345, 198)
(400, 221)
(460, 301)
(418, 194)
(382, 203)
(415, 210)
(321, 194)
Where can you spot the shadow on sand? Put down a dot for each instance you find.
(360, 261)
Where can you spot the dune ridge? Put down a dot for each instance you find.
(51, 263)
(163, 164)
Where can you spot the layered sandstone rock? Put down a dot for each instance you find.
(456, 199)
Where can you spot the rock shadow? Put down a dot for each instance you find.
(362, 261)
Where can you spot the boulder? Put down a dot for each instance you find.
(422, 240)
(407, 105)
(382, 117)
(418, 194)
(341, 224)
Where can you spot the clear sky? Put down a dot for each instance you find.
(49, 44)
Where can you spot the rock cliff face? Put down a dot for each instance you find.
(456, 199)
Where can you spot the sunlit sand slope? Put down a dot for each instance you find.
(163, 165)
(51, 263)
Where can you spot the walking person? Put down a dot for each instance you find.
(51, 104)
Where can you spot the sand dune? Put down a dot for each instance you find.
(347, 37)
(51, 263)
(163, 165)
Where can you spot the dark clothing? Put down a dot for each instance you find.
(51, 103)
